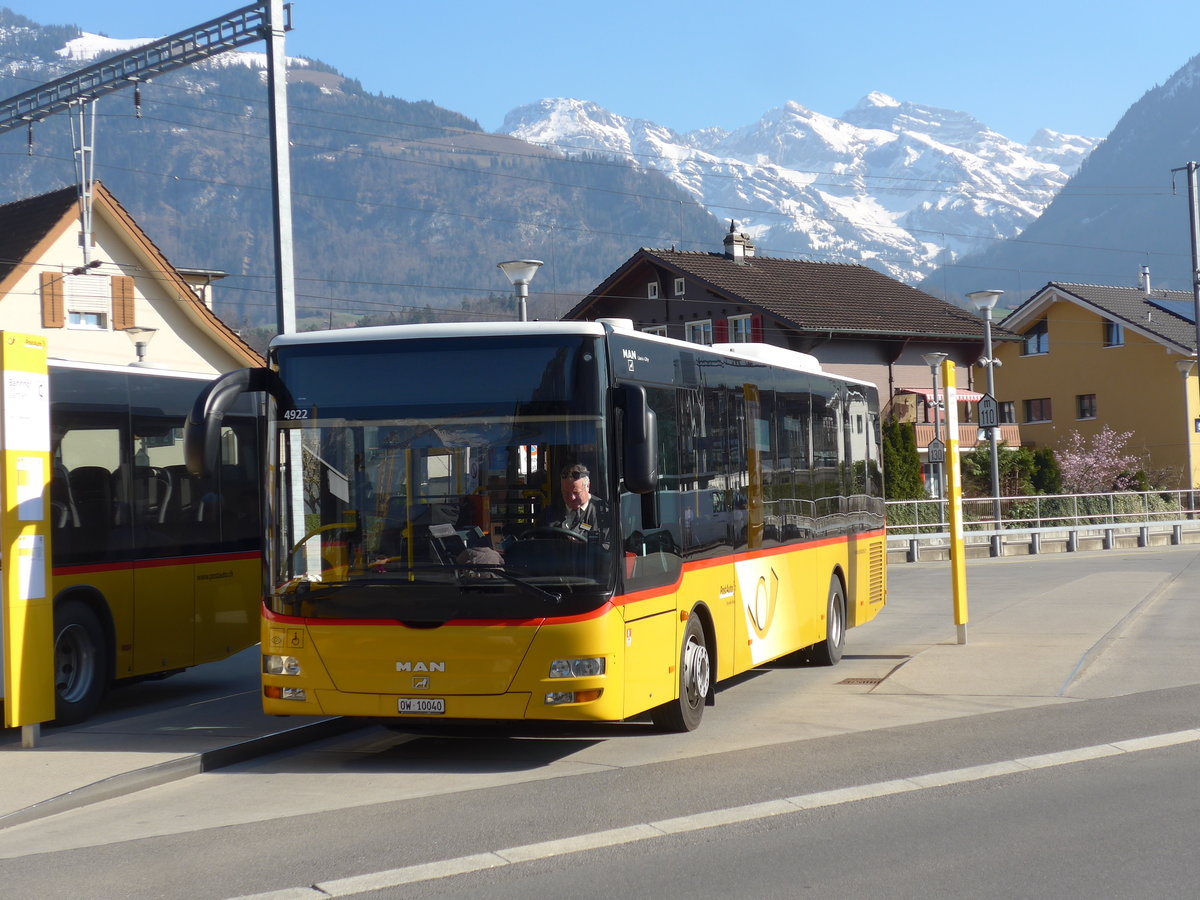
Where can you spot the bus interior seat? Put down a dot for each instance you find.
(62, 498)
(187, 490)
(91, 487)
(151, 491)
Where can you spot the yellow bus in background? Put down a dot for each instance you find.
(420, 564)
(154, 570)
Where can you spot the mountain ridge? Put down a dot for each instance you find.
(876, 186)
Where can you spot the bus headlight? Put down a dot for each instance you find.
(577, 668)
(281, 665)
(556, 698)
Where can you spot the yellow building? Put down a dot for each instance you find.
(1095, 356)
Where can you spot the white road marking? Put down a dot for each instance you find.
(376, 881)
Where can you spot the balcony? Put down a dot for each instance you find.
(968, 435)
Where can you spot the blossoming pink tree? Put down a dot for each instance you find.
(1099, 464)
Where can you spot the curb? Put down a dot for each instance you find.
(184, 767)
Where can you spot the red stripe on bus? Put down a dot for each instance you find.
(157, 563)
(621, 600)
(602, 610)
(699, 564)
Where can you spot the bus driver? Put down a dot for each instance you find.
(585, 515)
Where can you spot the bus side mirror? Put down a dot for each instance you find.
(640, 448)
(202, 428)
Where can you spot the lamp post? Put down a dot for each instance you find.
(520, 272)
(1185, 369)
(933, 360)
(984, 301)
(141, 337)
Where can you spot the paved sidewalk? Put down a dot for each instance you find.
(1039, 633)
(149, 734)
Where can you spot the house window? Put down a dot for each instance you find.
(652, 290)
(1008, 412)
(660, 330)
(700, 332)
(739, 329)
(1085, 406)
(679, 287)
(1037, 340)
(88, 300)
(1114, 334)
(1038, 410)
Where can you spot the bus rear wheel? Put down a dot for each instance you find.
(695, 681)
(80, 662)
(829, 651)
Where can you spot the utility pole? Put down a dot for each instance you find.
(260, 21)
(1194, 219)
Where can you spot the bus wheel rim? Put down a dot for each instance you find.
(695, 672)
(73, 663)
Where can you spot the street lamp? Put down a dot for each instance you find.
(1185, 369)
(984, 301)
(520, 272)
(141, 337)
(933, 360)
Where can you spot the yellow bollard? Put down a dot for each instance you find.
(958, 556)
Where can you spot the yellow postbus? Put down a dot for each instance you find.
(154, 570)
(423, 560)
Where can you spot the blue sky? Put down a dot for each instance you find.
(1015, 65)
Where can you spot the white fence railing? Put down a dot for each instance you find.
(918, 524)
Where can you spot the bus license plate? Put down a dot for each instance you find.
(423, 706)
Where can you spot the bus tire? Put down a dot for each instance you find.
(829, 651)
(80, 662)
(695, 682)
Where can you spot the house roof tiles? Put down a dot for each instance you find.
(23, 223)
(1134, 307)
(815, 296)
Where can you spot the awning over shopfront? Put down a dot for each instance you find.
(963, 396)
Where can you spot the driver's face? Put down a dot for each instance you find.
(576, 491)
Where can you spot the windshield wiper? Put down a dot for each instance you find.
(499, 572)
(317, 588)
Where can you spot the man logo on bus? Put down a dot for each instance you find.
(631, 358)
(420, 666)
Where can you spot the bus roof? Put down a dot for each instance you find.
(435, 330)
(128, 369)
(768, 354)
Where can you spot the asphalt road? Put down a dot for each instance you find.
(968, 793)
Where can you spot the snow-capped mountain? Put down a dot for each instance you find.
(1117, 213)
(899, 186)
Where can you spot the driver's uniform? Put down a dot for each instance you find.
(589, 521)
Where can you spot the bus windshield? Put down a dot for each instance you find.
(423, 481)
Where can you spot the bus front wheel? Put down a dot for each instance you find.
(695, 681)
(829, 651)
(80, 662)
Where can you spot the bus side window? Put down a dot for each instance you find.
(651, 529)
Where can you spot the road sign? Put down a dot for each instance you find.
(937, 451)
(989, 411)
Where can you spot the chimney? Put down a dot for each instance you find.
(748, 245)
(735, 243)
(1144, 281)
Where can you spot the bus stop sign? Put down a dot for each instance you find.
(989, 412)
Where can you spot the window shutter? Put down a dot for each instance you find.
(720, 331)
(756, 329)
(122, 302)
(53, 310)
